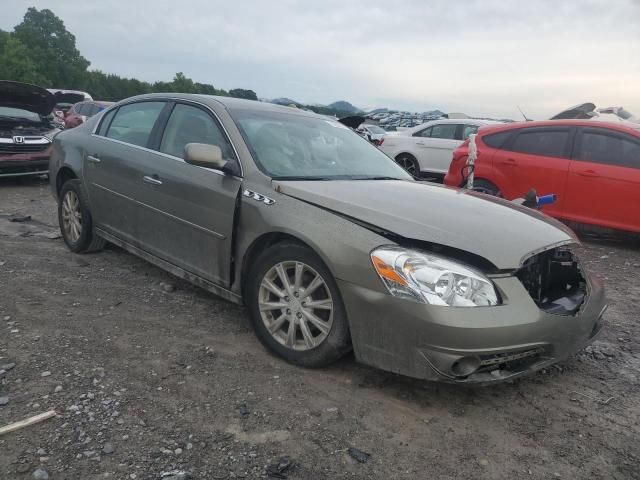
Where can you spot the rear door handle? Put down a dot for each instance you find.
(93, 158)
(588, 173)
(153, 180)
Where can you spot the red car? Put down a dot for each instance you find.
(592, 167)
(79, 113)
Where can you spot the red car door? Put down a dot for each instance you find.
(603, 186)
(535, 157)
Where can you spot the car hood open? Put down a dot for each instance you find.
(584, 111)
(27, 97)
(497, 230)
(68, 97)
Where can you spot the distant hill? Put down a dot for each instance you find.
(344, 106)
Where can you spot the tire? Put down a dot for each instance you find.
(409, 163)
(485, 186)
(75, 221)
(309, 346)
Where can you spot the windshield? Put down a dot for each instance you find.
(375, 129)
(19, 114)
(297, 147)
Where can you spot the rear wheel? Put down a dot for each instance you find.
(295, 306)
(409, 163)
(485, 186)
(75, 220)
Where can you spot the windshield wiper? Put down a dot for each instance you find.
(376, 178)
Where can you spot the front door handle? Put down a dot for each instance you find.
(421, 144)
(153, 180)
(93, 158)
(588, 173)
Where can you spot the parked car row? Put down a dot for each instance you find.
(427, 148)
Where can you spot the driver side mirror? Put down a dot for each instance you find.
(204, 155)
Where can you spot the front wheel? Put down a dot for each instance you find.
(295, 306)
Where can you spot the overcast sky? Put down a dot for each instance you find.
(480, 57)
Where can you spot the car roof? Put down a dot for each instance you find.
(621, 127)
(230, 103)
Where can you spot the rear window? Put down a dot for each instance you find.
(497, 140)
(548, 143)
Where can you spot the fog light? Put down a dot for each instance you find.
(465, 366)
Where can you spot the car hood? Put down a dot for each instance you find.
(499, 231)
(27, 97)
(68, 97)
(584, 111)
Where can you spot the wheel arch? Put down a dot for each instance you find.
(264, 241)
(65, 174)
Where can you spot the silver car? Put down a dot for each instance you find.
(327, 241)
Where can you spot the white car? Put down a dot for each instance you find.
(428, 148)
(373, 133)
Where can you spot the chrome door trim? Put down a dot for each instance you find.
(182, 220)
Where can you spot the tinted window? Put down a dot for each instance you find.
(496, 140)
(189, 124)
(105, 122)
(423, 133)
(468, 130)
(446, 131)
(133, 123)
(550, 143)
(600, 147)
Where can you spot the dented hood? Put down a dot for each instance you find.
(495, 229)
(27, 97)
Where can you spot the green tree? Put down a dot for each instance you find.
(15, 62)
(52, 48)
(242, 93)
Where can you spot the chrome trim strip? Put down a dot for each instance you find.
(42, 172)
(174, 269)
(174, 99)
(193, 225)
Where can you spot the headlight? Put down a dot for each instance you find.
(431, 279)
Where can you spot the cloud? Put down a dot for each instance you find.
(482, 57)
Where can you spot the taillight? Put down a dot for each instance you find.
(381, 141)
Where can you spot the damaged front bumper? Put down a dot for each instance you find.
(474, 345)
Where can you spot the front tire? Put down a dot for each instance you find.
(295, 306)
(75, 220)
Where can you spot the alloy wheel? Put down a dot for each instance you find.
(71, 216)
(408, 164)
(295, 305)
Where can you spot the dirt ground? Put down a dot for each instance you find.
(154, 378)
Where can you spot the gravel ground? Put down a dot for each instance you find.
(153, 378)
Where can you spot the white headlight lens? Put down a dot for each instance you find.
(428, 278)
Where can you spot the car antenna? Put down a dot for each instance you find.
(522, 113)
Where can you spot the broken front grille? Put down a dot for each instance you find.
(554, 280)
(513, 361)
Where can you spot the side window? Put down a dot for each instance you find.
(600, 147)
(446, 131)
(423, 133)
(549, 143)
(497, 140)
(188, 124)
(468, 130)
(133, 123)
(104, 123)
(93, 109)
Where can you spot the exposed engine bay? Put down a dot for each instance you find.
(555, 281)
